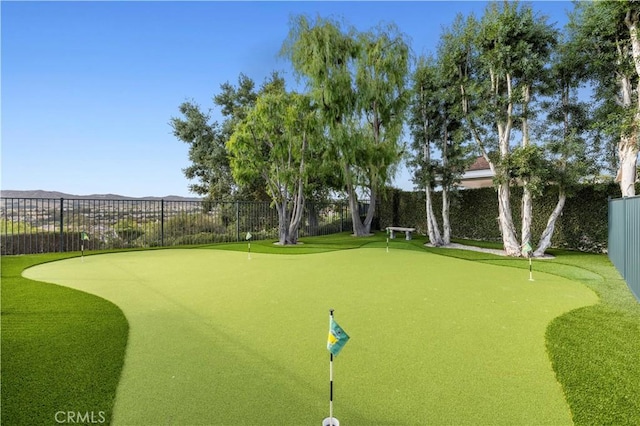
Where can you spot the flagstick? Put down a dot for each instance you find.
(387, 244)
(530, 270)
(82, 248)
(331, 389)
(249, 250)
(330, 377)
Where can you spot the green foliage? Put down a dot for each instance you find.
(186, 225)
(322, 52)
(357, 80)
(207, 153)
(603, 34)
(128, 231)
(436, 125)
(9, 227)
(274, 142)
(528, 165)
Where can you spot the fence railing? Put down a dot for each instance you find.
(624, 239)
(42, 225)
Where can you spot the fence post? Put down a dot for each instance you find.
(61, 224)
(625, 272)
(162, 222)
(237, 220)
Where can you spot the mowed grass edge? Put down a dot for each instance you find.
(571, 342)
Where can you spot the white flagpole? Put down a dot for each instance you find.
(530, 270)
(82, 245)
(330, 376)
(334, 344)
(331, 389)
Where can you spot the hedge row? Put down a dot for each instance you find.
(582, 226)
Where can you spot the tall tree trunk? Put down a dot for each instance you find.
(296, 216)
(527, 197)
(627, 170)
(628, 144)
(545, 238)
(371, 210)
(446, 224)
(547, 234)
(446, 184)
(432, 224)
(507, 228)
(359, 229)
(283, 222)
(298, 201)
(527, 214)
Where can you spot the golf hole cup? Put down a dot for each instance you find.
(330, 422)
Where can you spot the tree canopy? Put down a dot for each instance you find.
(506, 83)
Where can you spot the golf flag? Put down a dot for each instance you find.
(85, 237)
(248, 237)
(337, 338)
(526, 249)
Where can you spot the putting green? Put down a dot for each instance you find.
(216, 338)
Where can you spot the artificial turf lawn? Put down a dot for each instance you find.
(62, 350)
(218, 339)
(594, 350)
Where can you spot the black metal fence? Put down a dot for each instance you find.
(42, 225)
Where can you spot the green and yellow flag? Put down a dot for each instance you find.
(248, 236)
(526, 249)
(337, 337)
(85, 237)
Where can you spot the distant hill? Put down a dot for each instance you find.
(54, 194)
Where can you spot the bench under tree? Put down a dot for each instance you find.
(393, 229)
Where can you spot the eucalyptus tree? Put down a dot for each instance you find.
(536, 41)
(357, 80)
(606, 33)
(423, 123)
(565, 131)
(495, 63)
(435, 122)
(382, 95)
(273, 142)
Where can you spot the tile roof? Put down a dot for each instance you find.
(479, 164)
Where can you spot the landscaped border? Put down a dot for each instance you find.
(62, 349)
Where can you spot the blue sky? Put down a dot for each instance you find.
(88, 88)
